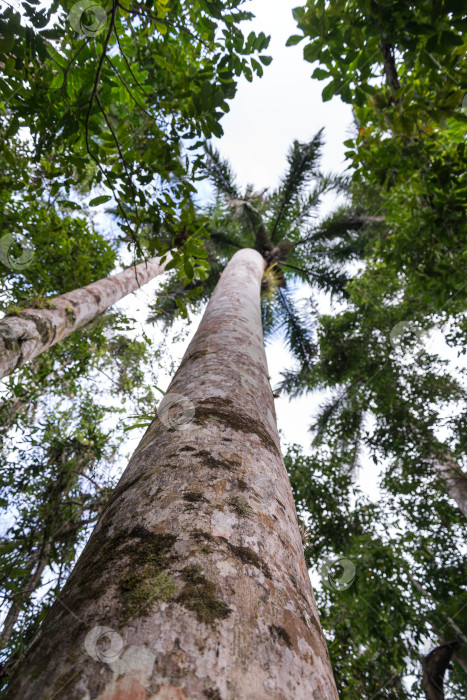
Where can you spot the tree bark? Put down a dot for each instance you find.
(434, 667)
(24, 336)
(453, 478)
(193, 584)
(390, 66)
(22, 596)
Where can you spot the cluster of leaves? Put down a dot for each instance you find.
(53, 487)
(357, 43)
(391, 398)
(405, 592)
(113, 98)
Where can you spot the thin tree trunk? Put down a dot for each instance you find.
(434, 667)
(453, 479)
(444, 465)
(24, 336)
(193, 584)
(23, 596)
(390, 65)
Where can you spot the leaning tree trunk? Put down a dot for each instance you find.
(26, 335)
(193, 584)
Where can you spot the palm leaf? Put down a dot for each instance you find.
(220, 173)
(303, 159)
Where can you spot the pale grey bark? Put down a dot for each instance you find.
(26, 335)
(453, 478)
(195, 573)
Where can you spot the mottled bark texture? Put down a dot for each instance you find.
(27, 334)
(193, 584)
(453, 479)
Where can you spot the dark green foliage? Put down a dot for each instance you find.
(111, 100)
(378, 623)
(52, 488)
(390, 397)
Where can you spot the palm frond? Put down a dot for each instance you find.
(340, 417)
(220, 173)
(303, 159)
(297, 329)
(294, 382)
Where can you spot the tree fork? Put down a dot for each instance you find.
(194, 574)
(25, 335)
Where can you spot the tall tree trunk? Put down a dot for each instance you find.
(453, 478)
(26, 335)
(444, 465)
(193, 584)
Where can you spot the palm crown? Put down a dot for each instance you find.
(281, 224)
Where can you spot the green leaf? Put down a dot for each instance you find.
(312, 51)
(294, 39)
(320, 74)
(100, 200)
(189, 269)
(57, 81)
(297, 13)
(328, 91)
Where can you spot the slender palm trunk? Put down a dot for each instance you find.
(193, 584)
(26, 335)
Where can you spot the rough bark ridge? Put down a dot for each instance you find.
(193, 584)
(26, 335)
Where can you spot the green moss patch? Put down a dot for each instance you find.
(241, 506)
(193, 496)
(139, 555)
(142, 590)
(199, 596)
